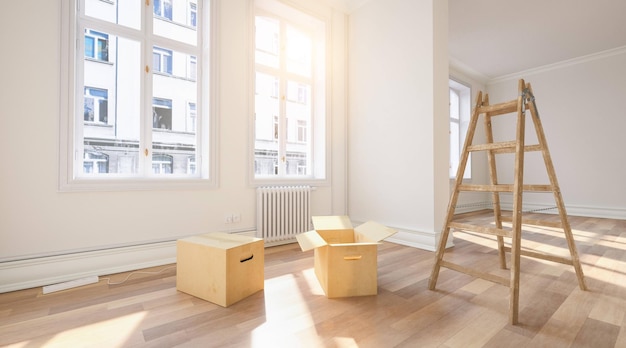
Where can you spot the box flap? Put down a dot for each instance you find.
(372, 232)
(323, 223)
(310, 240)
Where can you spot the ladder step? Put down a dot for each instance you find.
(499, 109)
(480, 229)
(503, 147)
(534, 222)
(527, 148)
(542, 256)
(503, 188)
(474, 273)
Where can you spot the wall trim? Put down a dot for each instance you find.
(35, 272)
(559, 65)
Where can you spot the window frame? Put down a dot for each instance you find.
(319, 126)
(70, 102)
(464, 92)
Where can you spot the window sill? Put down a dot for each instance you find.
(104, 185)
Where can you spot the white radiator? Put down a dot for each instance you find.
(283, 212)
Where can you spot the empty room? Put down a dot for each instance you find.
(466, 157)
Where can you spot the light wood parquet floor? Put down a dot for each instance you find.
(292, 311)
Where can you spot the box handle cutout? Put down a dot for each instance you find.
(247, 259)
(353, 257)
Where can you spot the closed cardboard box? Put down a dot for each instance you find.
(219, 267)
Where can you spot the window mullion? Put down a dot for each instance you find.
(282, 117)
(146, 153)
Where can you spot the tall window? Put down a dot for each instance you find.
(460, 106)
(289, 92)
(140, 86)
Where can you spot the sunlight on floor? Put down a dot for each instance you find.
(289, 320)
(99, 334)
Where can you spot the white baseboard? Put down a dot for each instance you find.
(42, 271)
(420, 240)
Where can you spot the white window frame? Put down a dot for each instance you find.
(318, 130)
(464, 93)
(71, 103)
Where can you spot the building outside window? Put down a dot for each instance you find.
(123, 91)
(289, 92)
(96, 45)
(96, 105)
(163, 8)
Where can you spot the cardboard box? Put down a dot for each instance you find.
(219, 267)
(345, 258)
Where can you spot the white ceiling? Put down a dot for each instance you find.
(499, 37)
(494, 38)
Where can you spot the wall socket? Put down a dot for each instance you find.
(232, 218)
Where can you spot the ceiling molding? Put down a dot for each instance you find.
(559, 65)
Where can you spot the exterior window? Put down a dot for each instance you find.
(192, 72)
(161, 113)
(162, 60)
(163, 8)
(289, 68)
(162, 164)
(191, 165)
(191, 116)
(459, 121)
(136, 116)
(96, 45)
(96, 105)
(302, 129)
(95, 163)
(193, 13)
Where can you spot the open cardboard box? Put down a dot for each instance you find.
(345, 258)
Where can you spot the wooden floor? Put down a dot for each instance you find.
(292, 311)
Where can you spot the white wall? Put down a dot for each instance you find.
(398, 102)
(580, 103)
(37, 220)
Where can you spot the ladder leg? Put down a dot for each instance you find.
(495, 196)
(518, 186)
(455, 195)
(556, 190)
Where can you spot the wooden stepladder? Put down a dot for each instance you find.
(525, 101)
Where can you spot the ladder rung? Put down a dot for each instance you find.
(534, 222)
(486, 188)
(503, 188)
(505, 145)
(480, 229)
(474, 273)
(542, 256)
(528, 148)
(499, 109)
(538, 188)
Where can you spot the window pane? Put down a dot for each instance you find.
(298, 111)
(127, 14)
(267, 41)
(299, 52)
(171, 20)
(266, 124)
(455, 150)
(171, 132)
(111, 109)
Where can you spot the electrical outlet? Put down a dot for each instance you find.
(236, 218)
(228, 219)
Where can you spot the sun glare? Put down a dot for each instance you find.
(99, 334)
